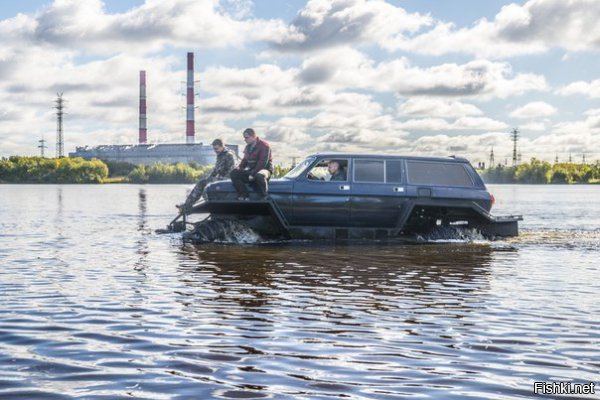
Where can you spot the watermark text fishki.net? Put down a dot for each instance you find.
(564, 388)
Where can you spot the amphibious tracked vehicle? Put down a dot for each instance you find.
(378, 197)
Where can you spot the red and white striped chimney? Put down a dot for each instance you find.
(143, 131)
(190, 130)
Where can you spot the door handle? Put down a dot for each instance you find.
(344, 187)
(399, 189)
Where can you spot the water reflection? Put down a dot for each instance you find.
(254, 276)
(142, 241)
(358, 266)
(142, 208)
(340, 309)
(58, 219)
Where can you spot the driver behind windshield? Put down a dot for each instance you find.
(332, 170)
(336, 171)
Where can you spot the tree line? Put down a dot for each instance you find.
(537, 171)
(51, 170)
(77, 170)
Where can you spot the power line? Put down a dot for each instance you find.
(42, 146)
(60, 149)
(515, 138)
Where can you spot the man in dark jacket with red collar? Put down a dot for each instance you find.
(256, 166)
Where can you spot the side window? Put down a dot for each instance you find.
(393, 171)
(329, 170)
(368, 171)
(437, 173)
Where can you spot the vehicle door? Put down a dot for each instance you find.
(378, 192)
(318, 201)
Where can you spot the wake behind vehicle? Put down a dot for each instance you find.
(375, 197)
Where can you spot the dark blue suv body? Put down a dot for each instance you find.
(347, 196)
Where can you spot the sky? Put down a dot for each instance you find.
(419, 77)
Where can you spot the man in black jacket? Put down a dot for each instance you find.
(223, 166)
(256, 166)
(336, 171)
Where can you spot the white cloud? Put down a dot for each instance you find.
(474, 147)
(87, 27)
(478, 78)
(462, 123)
(287, 131)
(432, 107)
(477, 147)
(589, 125)
(247, 81)
(534, 110)
(327, 81)
(589, 89)
(565, 144)
(592, 112)
(534, 126)
(329, 23)
(478, 123)
(534, 27)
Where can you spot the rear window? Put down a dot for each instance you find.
(368, 171)
(433, 173)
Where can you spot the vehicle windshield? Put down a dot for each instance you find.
(297, 170)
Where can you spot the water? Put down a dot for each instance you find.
(95, 305)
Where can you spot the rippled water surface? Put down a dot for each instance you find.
(94, 304)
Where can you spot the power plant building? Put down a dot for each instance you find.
(148, 154)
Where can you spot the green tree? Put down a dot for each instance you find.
(164, 173)
(279, 171)
(50, 170)
(536, 171)
(499, 174)
(119, 168)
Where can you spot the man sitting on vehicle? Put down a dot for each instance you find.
(223, 167)
(336, 171)
(256, 166)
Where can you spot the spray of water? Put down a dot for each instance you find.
(217, 230)
(447, 234)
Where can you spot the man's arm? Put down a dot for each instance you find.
(244, 162)
(215, 170)
(228, 165)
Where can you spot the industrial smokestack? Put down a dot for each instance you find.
(143, 130)
(190, 129)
